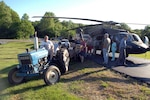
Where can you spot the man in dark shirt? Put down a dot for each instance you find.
(122, 52)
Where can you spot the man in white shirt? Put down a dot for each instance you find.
(48, 45)
(106, 48)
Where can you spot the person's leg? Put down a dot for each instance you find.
(82, 55)
(82, 58)
(119, 60)
(113, 56)
(104, 56)
(124, 57)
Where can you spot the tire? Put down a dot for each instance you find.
(51, 75)
(63, 60)
(13, 79)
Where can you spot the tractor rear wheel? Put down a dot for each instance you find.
(52, 75)
(13, 78)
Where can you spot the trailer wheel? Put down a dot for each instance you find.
(52, 75)
(13, 78)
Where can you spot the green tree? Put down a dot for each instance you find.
(146, 32)
(36, 25)
(22, 30)
(68, 28)
(26, 28)
(8, 17)
(47, 25)
(25, 17)
(138, 31)
(13, 30)
(58, 28)
(125, 26)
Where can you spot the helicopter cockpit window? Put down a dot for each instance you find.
(136, 38)
(130, 38)
(121, 35)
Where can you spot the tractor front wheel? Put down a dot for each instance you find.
(52, 75)
(13, 78)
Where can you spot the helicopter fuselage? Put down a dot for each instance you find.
(134, 43)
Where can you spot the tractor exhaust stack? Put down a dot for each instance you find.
(36, 46)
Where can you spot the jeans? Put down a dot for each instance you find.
(122, 56)
(105, 55)
(113, 55)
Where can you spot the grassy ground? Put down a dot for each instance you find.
(84, 81)
(144, 55)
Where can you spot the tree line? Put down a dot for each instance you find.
(12, 27)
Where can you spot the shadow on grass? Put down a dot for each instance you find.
(24, 90)
(4, 84)
(78, 77)
(4, 80)
(9, 58)
(77, 65)
(99, 60)
(7, 69)
(87, 78)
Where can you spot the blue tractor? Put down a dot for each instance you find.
(35, 63)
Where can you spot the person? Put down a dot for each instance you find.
(89, 46)
(82, 52)
(48, 45)
(122, 52)
(113, 49)
(63, 56)
(106, 48)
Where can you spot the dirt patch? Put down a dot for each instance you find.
(94, 82)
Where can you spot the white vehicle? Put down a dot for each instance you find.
(66, 42)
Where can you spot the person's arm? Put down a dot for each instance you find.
(52, 46)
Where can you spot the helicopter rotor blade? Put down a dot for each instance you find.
(84, 26)
(137, 23)
(69, 18)
(94, 20)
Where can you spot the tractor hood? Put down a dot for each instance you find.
(32, 57)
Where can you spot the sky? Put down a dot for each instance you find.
(126, 11)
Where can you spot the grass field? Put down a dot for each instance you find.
(84, 81)
(144, 55)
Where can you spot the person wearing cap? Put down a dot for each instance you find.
(106, 48)
(48, 45)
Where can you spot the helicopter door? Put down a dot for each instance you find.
(146, 40)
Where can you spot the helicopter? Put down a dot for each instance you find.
(96, 33)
